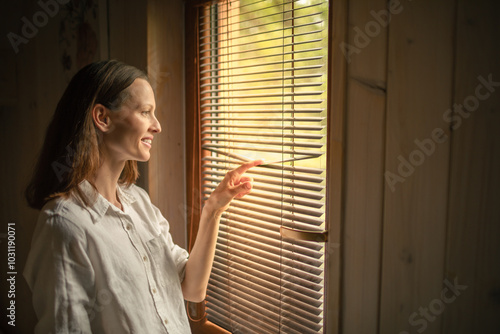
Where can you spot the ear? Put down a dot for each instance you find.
(101, 117)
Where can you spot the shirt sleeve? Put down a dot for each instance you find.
(179, 254)
(61, 277)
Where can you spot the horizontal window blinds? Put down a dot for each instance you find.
(263, 73)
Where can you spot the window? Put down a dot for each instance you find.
(262, 94)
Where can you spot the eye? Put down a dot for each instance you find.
(145, 112)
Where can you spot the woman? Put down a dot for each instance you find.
(102, 259)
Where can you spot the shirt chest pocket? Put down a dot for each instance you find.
(164, 267)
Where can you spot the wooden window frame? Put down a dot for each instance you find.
(337, 78)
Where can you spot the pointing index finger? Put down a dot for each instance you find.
(246, 166)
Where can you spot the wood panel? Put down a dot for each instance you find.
(364, 181)
(193, 142)
(335, 175)
(419, 91)
(165, 68)
(127, 24)
(473, 252)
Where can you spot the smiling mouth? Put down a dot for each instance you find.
(147, 141)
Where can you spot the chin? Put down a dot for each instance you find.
(143, 157)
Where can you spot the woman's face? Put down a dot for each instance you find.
(133, 125)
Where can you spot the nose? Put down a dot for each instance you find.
(156, 126)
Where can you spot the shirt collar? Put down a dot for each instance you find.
(98, 205)
(125, 195)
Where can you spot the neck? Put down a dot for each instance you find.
(106, 180)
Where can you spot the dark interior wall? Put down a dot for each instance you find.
(42, 45)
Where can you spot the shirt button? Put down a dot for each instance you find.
(165, 321)
(129, 227)
(154, 290)
(145, 258)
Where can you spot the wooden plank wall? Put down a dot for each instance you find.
(419, 90)
(127, 42)
(365, 163)
(166, 70)
(421, 245)
(473, 239)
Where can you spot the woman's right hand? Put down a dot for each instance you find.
(234, 185)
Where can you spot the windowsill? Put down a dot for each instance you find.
(206, 327)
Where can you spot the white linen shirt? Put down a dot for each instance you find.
(98, 269)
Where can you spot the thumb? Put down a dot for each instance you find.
(242, 189)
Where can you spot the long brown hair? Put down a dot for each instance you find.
(70, 152)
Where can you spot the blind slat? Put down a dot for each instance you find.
(264, 134)
(265, 142)
(266, 260)
(270, 287)
(222, 8)
(271, 232)
(269, 218)
(260, 80)
(281, 206)
(257, 118)
(247, 73)
(259, 103)
(256, 41)
(270, 31)
(248, 320)
(264, 149)
(265, 16)
(218, 313)
(219, 307)
(266, 182)
(262, 303)
(309, 283)
(223, 36)
(213, 169)
(270, 189)
(255, 50)
(262, 95)
(257, 301)
(276, 290)
(306, 287)
(239, 64)
(261, 307)
(264, 126)
(299, 324)
(293, 288)
(290, 200)
(267, 110)
(266, 245)
(261, 56)
(263, 88)
(298, 169)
